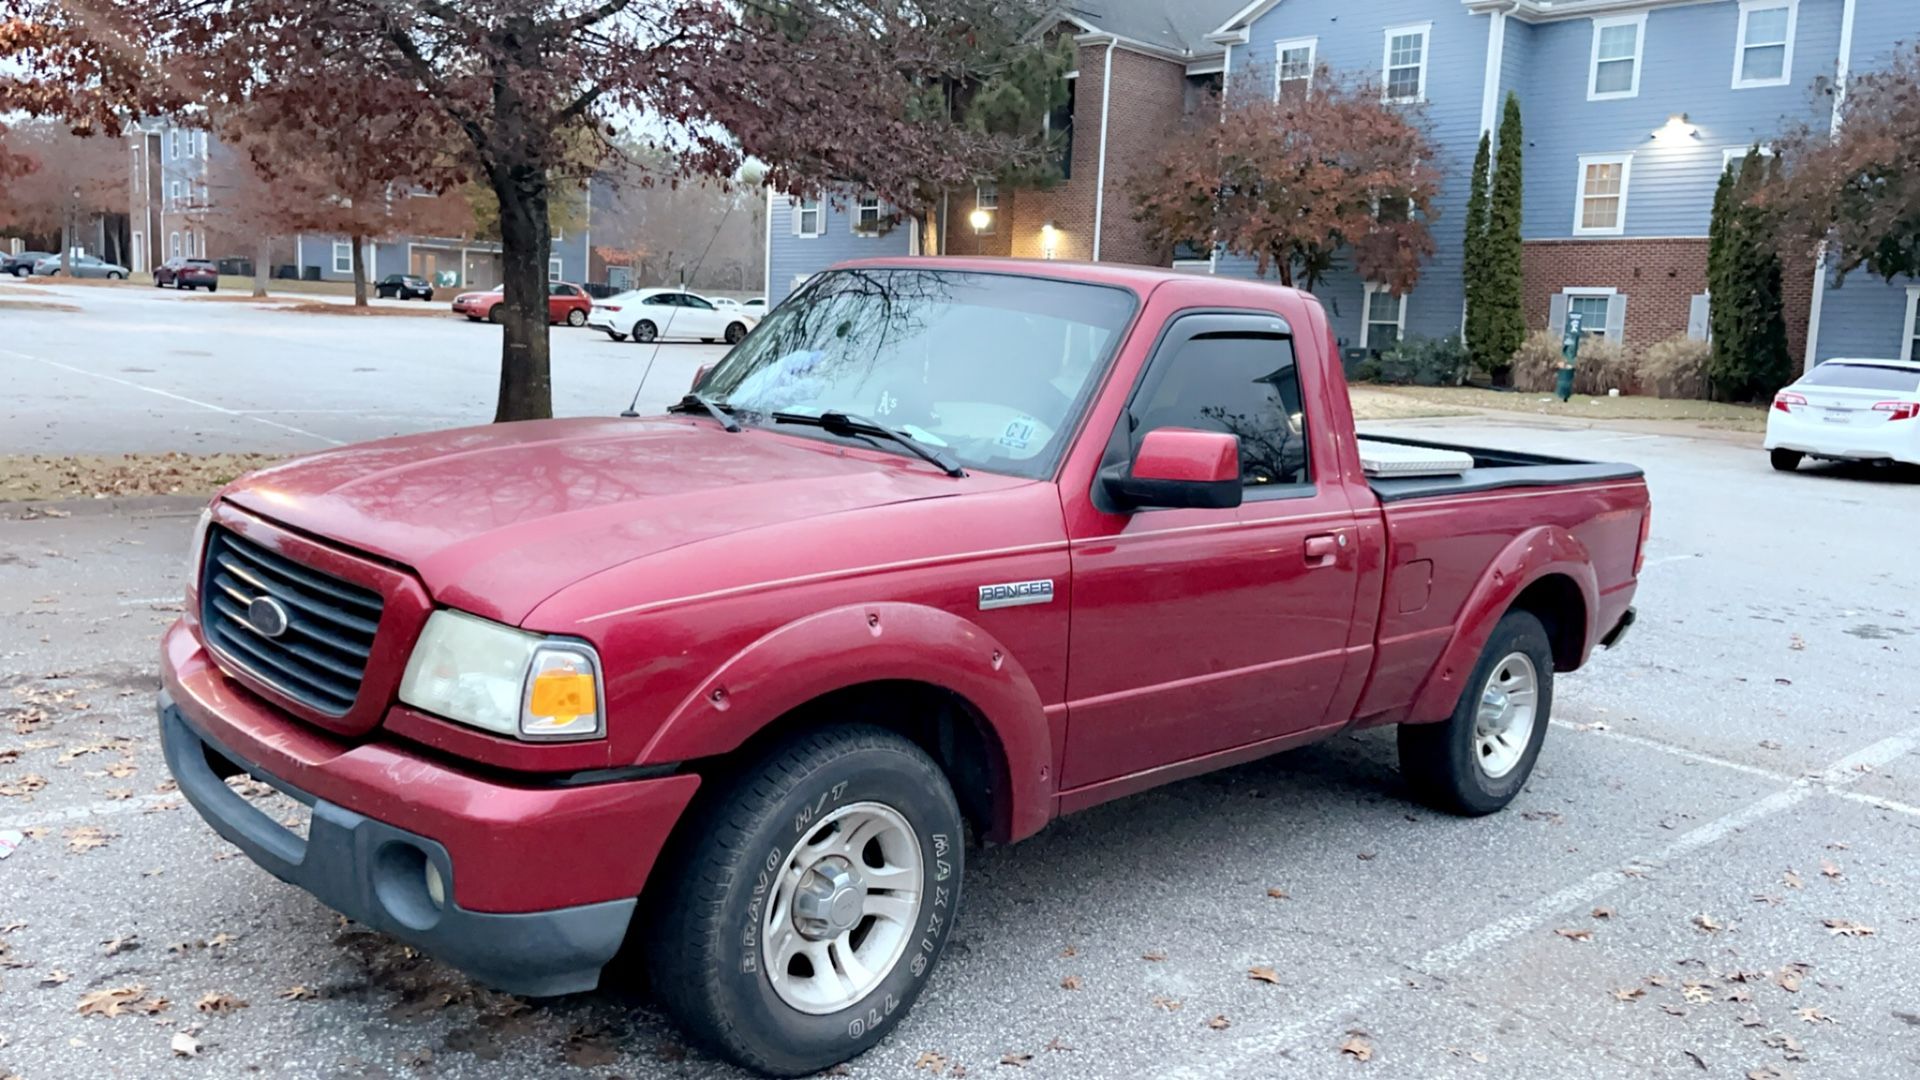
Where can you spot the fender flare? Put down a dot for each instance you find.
(1539, 552)
(864, 643)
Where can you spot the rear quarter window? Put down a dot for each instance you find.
(1863, 377)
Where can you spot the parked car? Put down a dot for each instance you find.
(565, 304)
(187, 274)
(525, 673)
(668, 314)
(403, 287)
(757, 305)
(21, 264)
(83, 266)
(727, 303)
(1847, 410)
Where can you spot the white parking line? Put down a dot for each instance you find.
(85, 811)
(177, 397)
(1248, 1054)
(1676, 751)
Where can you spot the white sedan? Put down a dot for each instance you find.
(1848, 410)
(667, 314)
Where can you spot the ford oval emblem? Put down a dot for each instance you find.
(266, 615)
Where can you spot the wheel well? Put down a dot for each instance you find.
(1556, 601)
(939, 721)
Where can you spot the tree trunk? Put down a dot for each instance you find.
(526, 388)
(262, 255)
(359, 270)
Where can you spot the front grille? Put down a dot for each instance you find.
(320, 657)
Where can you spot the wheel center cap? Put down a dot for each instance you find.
(829, 900)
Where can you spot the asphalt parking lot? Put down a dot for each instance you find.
(1711, 874)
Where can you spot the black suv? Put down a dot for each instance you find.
(403, 287)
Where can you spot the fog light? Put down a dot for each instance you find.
(436, 886)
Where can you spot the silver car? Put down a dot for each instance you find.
(88, 266)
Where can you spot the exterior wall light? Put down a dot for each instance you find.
(980, 219)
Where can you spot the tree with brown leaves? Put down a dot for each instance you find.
(1299, 182)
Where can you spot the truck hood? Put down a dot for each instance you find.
(495, 519)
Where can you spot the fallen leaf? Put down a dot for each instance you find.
(1739, 994)
(1769, 744)
(1671, 1009)
(1708, 923)
(297, 993)
(1161, 1001)
(118, 945)
(1752, 1020)
(23, 787)
(1357, 1048)
(1603, 913)
(119, 999)
(1629, 993)
(1154, 955)
(84, 838)
(1792, 879)
(1019, 1060)
(1796, 642)
(1697, 993)
(928, 1061)
(1070, 951)
(1278, 894)
(185, 1045)
(1071, 982)
(1829, 868)
(1575, 935)
(1367, 856)
(54, 977)
(1264, 974)
(1220, 1023)
(1697, 1059)
(1055, 1045)
(1788, 980)
(1847, 928)
(1813, 1015)
(1765, 1072)
(219, 1003)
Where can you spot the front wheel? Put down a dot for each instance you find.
(114, 275)
(1478, 759)
(22, 271)
(1785, 460)
(576, 317)
(811, 901)
(495, 315)
(644, 331)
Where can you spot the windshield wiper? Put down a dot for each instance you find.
(715, 409)
(834, 422)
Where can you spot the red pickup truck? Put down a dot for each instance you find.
(945, 547)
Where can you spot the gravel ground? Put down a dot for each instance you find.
(1742, 771)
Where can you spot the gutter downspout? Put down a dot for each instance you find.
(1496, 58)
(1100, 180)
(1840, 72)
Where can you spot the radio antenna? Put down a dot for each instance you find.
(631, 410)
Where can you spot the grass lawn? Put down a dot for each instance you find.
(1713, 414)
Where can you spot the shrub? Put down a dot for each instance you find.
(1604, 365)
(1421, 362)
(1536, 360)
(1676, 368)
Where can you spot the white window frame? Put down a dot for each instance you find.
(803, 207)
(862, 204)
(1639, 22)
(342, 253)
(1913, 324)
(1619, 227)
(1280, 51)
(173, 144)
(173, 245)
(1425, 32)
(200, 137)
(1741, 45)
(1610, 292)
(1366, 313)
(554, 269)
(986, 196)
(1731, 154)
(173, 193)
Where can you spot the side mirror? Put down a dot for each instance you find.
(698, 374)
(1178, 468)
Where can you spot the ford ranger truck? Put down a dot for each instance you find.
(946, 548)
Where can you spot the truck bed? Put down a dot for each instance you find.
(1493, 470)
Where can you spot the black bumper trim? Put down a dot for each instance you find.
(373, 873)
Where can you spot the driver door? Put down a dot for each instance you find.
(699, 319)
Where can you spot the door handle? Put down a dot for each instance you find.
(1322, 550)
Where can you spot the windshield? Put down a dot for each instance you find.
(993, 368)
(1863, 377)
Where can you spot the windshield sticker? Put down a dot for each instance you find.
(887, 403)
(1019, 433)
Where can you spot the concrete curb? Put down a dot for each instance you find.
(129, 506)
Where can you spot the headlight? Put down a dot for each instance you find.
(507, 681)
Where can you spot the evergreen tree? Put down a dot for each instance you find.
(1746, 310)
(1474, 263)
(1505, 324)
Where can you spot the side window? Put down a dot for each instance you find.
(695, 302)
(1244, 384)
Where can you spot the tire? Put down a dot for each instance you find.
(1453, 765)
(710, 942)
(22, 271)
(576, 317)
(494, 315)
(616, 335)
(213, 288)
(736, 331)
(158, 284)
(114, 275)
(644, 331)
(1785, 460)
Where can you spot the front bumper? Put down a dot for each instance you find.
(375, 874)
(1882, 440)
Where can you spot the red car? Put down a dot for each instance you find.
(946, 546)
(566, 303)
(187, 274)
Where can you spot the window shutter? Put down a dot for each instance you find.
(1617, 317)
(1697, 317)
(1557, 314)
(793, 213)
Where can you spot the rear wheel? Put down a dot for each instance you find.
(814, 897)
(736, 331)
(114, 275)
(644, 331)
(495, 315)
(576, 317)
(1785, 460)
(1478, 759)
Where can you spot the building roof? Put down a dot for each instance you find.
(1177, 27)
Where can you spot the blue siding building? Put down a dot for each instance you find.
(807, 235)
